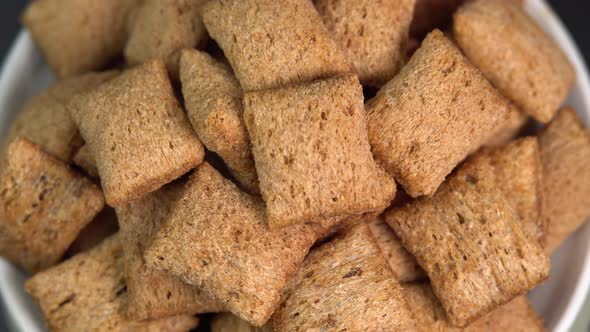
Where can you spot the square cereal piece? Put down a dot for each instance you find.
(312, 153)
(344, 285)
(44, 120)
(154, 294)
(402, 263)
(516, 315)
(429, 117)
(144, 140)
(78, 36)
(471, 243)
(213, 99)
(86, 161)
(217, 237)
(272, 44)
(565, 152)
(514, 53)
(507, 129)
(160, 29)
(87, 292)
(43, 206)
(518, 175)
(372, 34)
(226, 322)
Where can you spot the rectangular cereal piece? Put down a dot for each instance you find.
(154, 294)
(402, 263)
(226, 322)
(565, 152)
(161, 29)
(78, 36)
(144, 140)
(516, 315)
(43, 206)
(514, 53)
(87, 292)
(312, 153)
(429, 117)
(272, 44)
(213, 99)
(45, 120)
(518, 175)
(372, 34)
(217, 237)
(469, 240)
(344, 285)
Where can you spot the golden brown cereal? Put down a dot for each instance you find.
(402, 263)
(233, 253)
(162, 28)
(43, 206)
(518, 171)
(517, 315)
(226, 322)
(372, 34)
(344, 285)
(144, 140)
(154, 294)
(85, 160)
(471, 244)
(44, 120)
(272, 44)
(565, 151)
(87, 292)
(78, 36)
(312, 153)
(507, 129)
(213, 100)
(515, 54)
(435, 112)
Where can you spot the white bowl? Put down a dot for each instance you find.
(558, 301)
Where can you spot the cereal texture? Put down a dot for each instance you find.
(471, 244)
(45, 121)
(144, 141)
(233, 253)
(151, 293)
(162, 28)
(312, 153)
(87, 292)
(272, 44)
(78, 36)
(344, 285)
(213, 99)
(372, 34)
(517, 315)
(226, 322)
(86, 161)
(565, 151)
(507, 129)
(435, 112)
(43, 206)
(402, 263)
(515, 54)
(518, 175)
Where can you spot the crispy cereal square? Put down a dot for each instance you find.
(144, 140)
(43, 206)
(217, 237)
(429, 117)
(272, 44)
(312, 153)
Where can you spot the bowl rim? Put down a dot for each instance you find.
(23, 52)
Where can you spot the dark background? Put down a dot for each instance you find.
(572, 12)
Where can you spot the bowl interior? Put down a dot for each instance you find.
(558, 300)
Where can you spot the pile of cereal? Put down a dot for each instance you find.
(295, 165)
